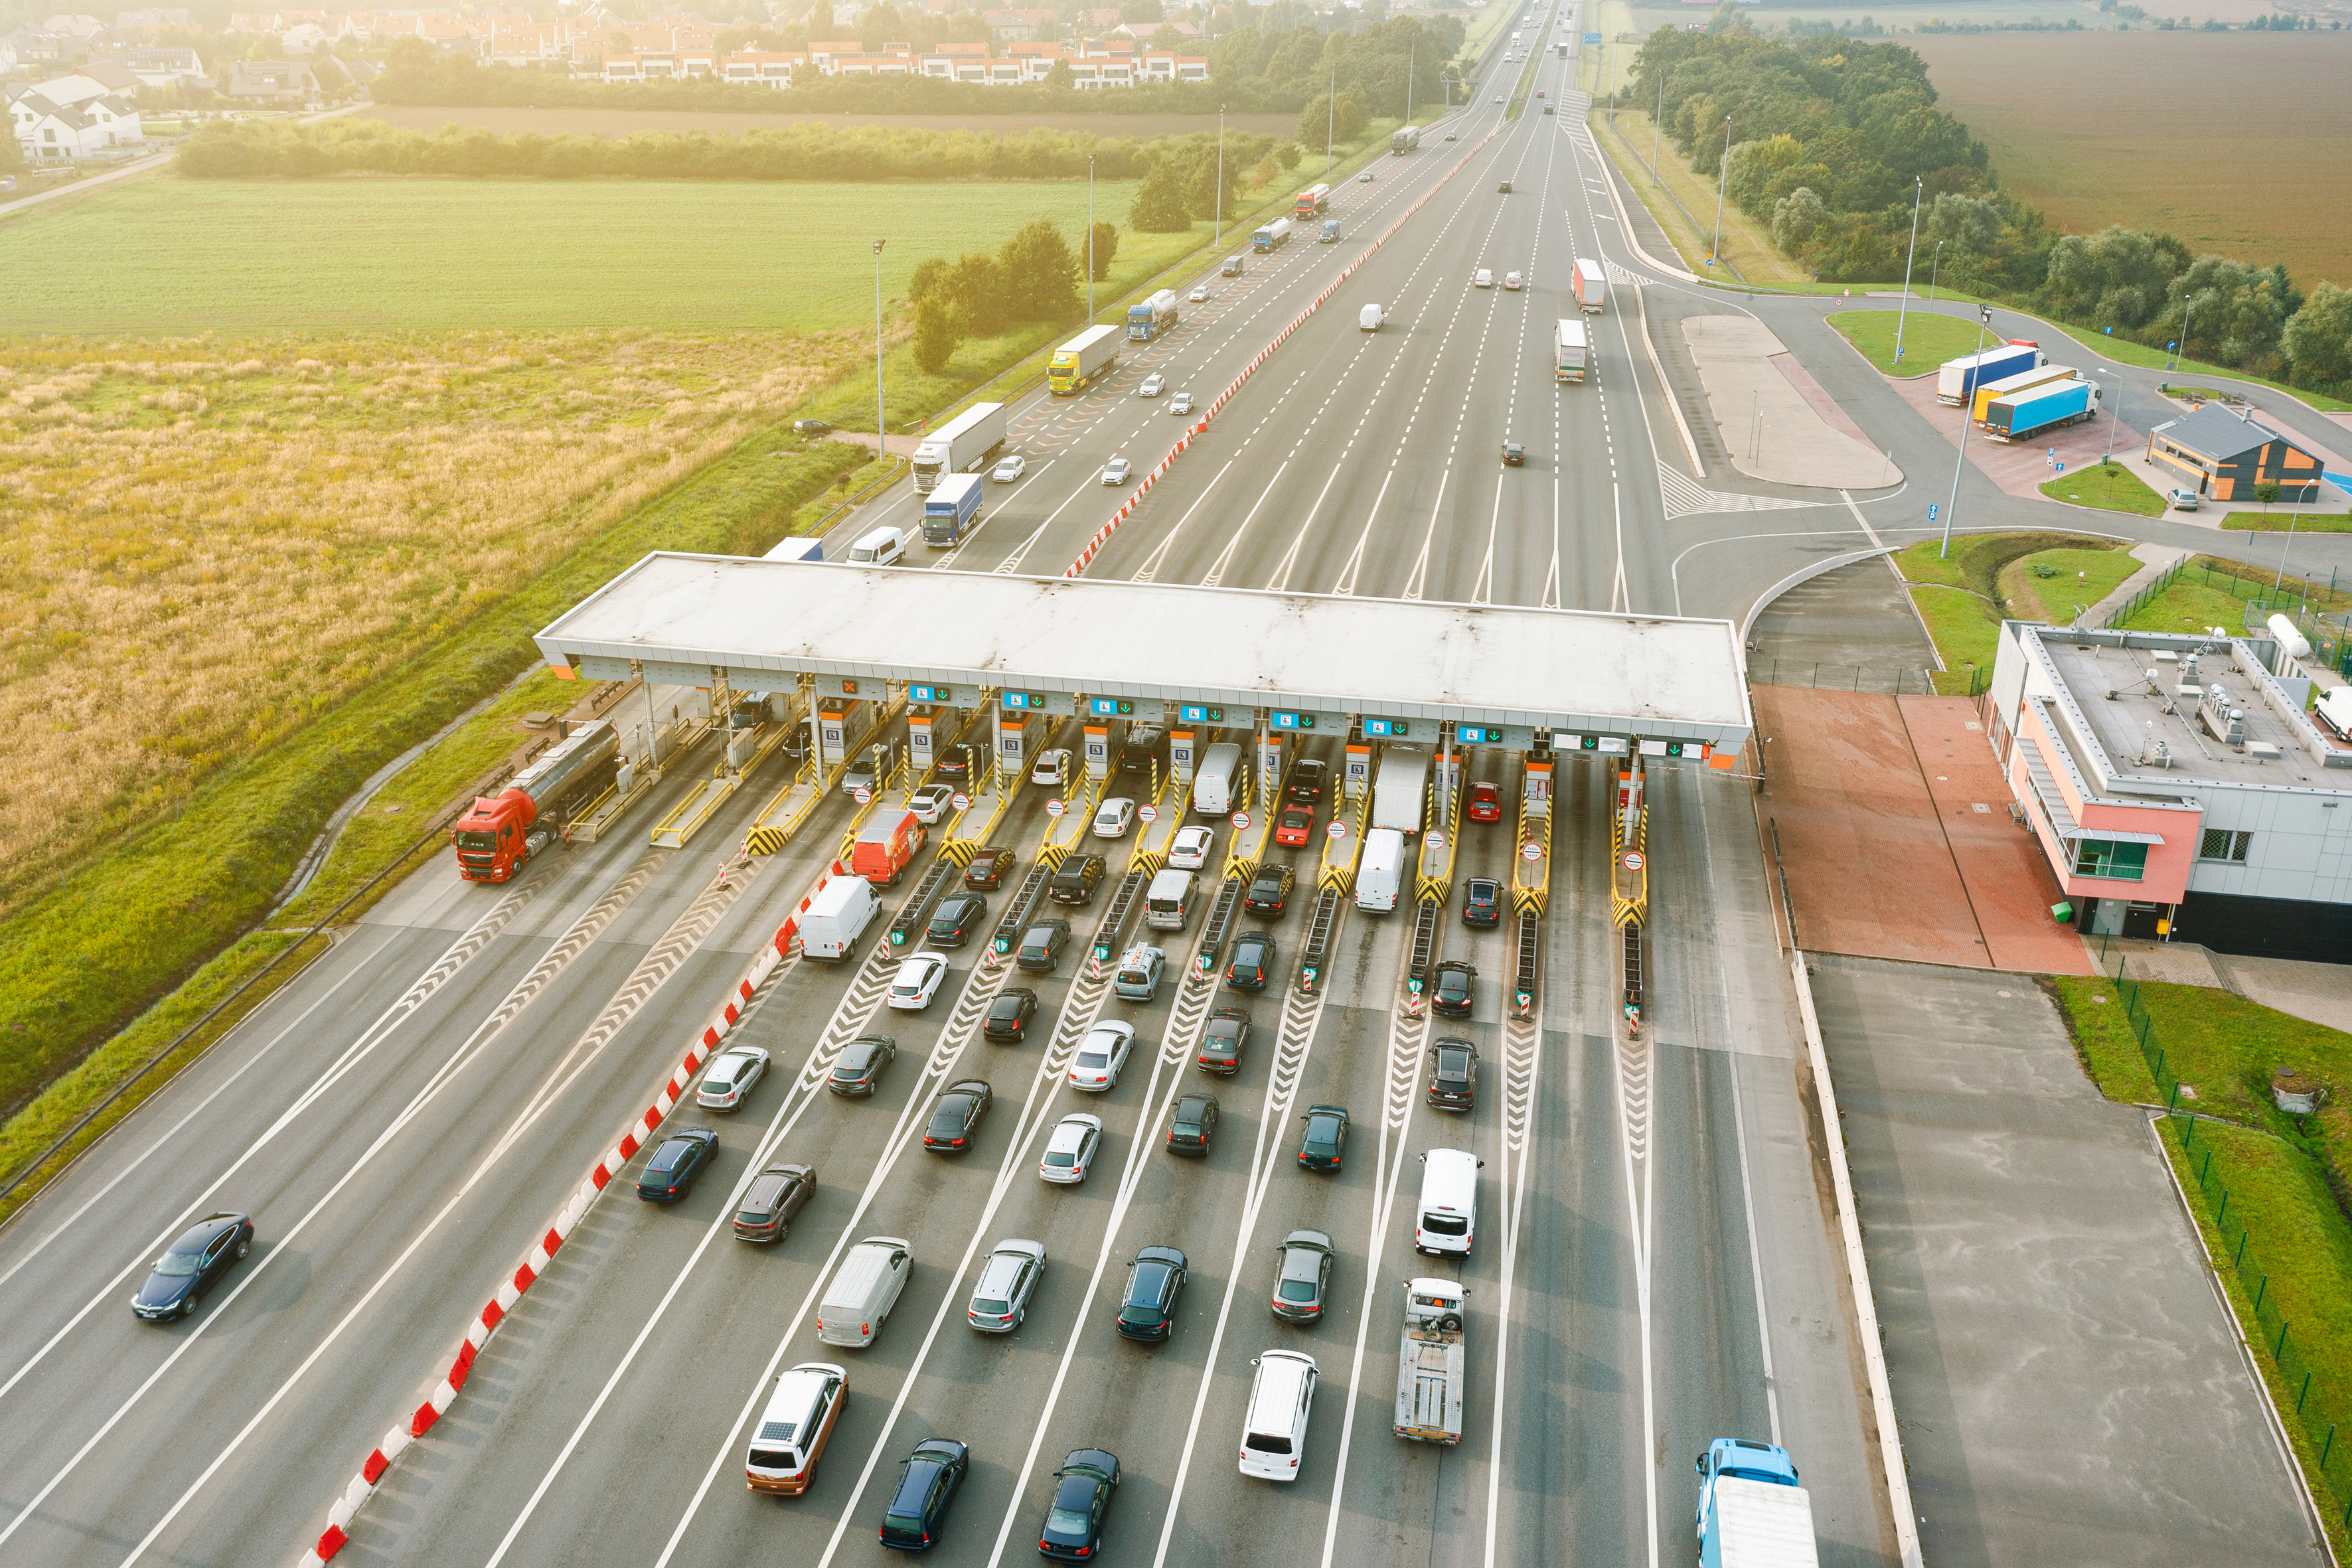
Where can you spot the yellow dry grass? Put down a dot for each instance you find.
(205, 541)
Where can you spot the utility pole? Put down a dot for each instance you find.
(1217, 230)
(1091, 238)
(1715, 257)
(1655, 123)
(1933, 268)
(1918, 190)
(1968, 404)
(881, 425)
(1330, 115)
(2112, 415)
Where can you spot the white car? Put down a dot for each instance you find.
(1070, 1153)
(1153, 385)
(1199, 294)
(1365, 178)
(931, 803)
(1114, 817)
(1100, 1056)
(1052, 767)
(1512, 280)
(919, 977)
(1190, 849)
(1010, 470)
(1182, 404)
(729, 1077)
(1499, 100)
(1007, 1280)
(1484, 280)
(1115, 472)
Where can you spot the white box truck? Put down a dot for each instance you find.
(1570, 351)
(963, 446)
(837, 917)
(1381, 871)
(1432, 1363)
(1371, 317)
(1590, 288)
(1401, 788)
(1752, 1512)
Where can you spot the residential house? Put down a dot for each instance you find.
(97, 80)
(755, 67)
(167, 16)
(68, 132)
(74, 26)
(273, 81)
(31, 49)
(1020, 26)
(162, 68)
(2222, 453)
(520, 41)
(305, 38)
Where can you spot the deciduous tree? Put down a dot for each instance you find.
(1106, 246)
(935, 338)
(1041, 274)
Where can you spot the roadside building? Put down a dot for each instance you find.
(99, 79)
(2223, 454)
(164, 67)
(64, 132)
(285, 82)
(2178, 787)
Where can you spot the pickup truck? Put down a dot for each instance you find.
(1432, 1363)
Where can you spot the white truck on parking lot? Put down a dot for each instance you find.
(1432, 1363)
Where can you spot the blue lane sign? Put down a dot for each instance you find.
(1591, 37)
(1933, 508)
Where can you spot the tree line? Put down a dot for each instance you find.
(1032, 277)
(1826, 140)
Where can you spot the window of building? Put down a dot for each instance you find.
(2222, 844)
(2106, 858)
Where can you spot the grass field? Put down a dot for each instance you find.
(1929, 338)
(1745, 246)
(1960, 595)
(2109, 487)
(2067, 118)
(2211, 592)
(629, 121)
(507, 255)
(2277, 521)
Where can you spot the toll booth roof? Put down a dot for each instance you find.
(1652, 676)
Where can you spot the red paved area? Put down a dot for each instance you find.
(1895, 834)
(2020, 468)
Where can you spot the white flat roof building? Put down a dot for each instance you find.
(766, 623)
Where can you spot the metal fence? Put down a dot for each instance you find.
(2310, 1406)
(2131, 607)
(1893, 680)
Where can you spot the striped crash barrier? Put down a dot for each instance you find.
(1093, 546)
(398, 1440)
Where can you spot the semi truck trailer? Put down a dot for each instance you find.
(1148, 319)
(1313, 202)
(2044, 407)
(1076, 363)
(1959, 377)
(963, 444)
(1752, 1512)
(951, 510)
(1273, 236)
(1570, 351)
(1590, 288)
(1401, 788)
(1405, 140)
(1988, 390)
(501, 831)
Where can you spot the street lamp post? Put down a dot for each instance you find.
(1330, 115)
(1967, 403)
(881, 425)
(2280, 582)
(2186, 306)
(1655, 122)
(1723, 176)
(2113, 415)
(1091, 238)
(1918, 191)
(1217, 229)
(1933, 267)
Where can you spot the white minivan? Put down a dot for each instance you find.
(795, 1428)
(1447, 1221)
(1381, 871)
(1213, 780)
(864, 1290)
(1369, 318)
(1274, 1434)
(1167, 902)
(883, 547)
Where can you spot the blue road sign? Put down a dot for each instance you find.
(1933, 508)
(1591, 37)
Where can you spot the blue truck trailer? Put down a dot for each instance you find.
(1960, 377)
(1152, 317)
(2039, 408)
(951, 510)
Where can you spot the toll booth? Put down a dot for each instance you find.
(1537, 784)
(1183, 752)
(1096, 752)
(930, 730)
(1019, 738)
(1270, 763)
(841, 726)
(1356, 775)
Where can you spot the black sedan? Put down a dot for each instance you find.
(1041, 947)
(1303, 1276)
(1194, 1124)
(954, 765)
(927, 1479)
(1269, 890)
(196, 1263)
(1009, 1013)
(1154, 1280)
(952, 924)
(1074, 1524)
(989, 868)
(1452, 995)
(1453, 1075)
(956, 1116)
(1514, 454)
(1252, 962)
(1482, 902)
(1223, 1042)
(684, 1155)
(1327, 1137)
(859, 1071)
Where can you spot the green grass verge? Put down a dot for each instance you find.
(2110, 487)
(2075, 577)
(1928, 338)
(2211, 592)
(2278, 521)
(1959, 595)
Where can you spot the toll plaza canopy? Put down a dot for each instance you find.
(1313, 660)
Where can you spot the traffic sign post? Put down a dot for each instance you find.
(1055, 806)
(861, 795)
(1147, 812)
(1241, 822)
(960, 800)
(1531, 850)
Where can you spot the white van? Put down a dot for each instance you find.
(1379, 871)
(883, 547)
(1274, 1434)
(1370, 318)
(795, 1427)
(1447, 1221)
(837, 917)
(864, 1290)
(1213, 780)
(1167, 902)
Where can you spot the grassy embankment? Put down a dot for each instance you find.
(2282, 1174)
(1989, 578)
(2108, 487)
(2211, 592)
(2279, 522)
(1690, 225)
(1928, 338)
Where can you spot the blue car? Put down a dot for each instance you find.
(669, 1175)
(196, 1262)
(1075, 1522)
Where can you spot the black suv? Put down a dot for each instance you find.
(1514, 454)
(1306, 781)
(1193, 1125)
(927, 1481)
(1327, 1137)
(1154, 1280)
(1142, 750)
(1009, 1015)
(1451, 996)
(1269, 890)
(989, 868)
(957, 916)
(1453, 1075)
(1252, 964)
(1482, 902)
(1223, 1041)
(859, 1069)
(954, 765)
(1076, 881)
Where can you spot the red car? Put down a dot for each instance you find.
(1294, 828)
(1486, 803)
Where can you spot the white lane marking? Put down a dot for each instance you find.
(1226, 557)
(1012, 562)
(1348, 573)
(1281, 578)
(1419, 576)
(1150, 570)
(1481, 592)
